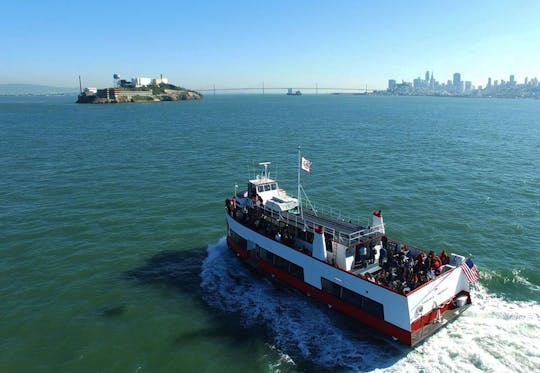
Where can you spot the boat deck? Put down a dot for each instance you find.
(332, 223)
(341, 230)
(433, 326)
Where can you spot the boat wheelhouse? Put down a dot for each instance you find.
(397, 289)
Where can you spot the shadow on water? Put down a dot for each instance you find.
(181, 271)
(113, 310)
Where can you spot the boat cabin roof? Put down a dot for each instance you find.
(262, 181)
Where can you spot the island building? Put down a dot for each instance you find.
(126, 90)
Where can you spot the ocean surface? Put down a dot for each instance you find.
(112, 252)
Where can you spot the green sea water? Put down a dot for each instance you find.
(112, 223)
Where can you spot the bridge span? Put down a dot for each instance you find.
(263, 89)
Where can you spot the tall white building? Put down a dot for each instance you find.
(141, 82)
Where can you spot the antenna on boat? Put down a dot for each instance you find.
(265, 172)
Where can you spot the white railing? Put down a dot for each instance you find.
(333, 212)
(348, 239)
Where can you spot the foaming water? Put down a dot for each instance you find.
(492, 335)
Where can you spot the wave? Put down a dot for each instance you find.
(492, 335)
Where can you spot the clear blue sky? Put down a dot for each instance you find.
(242, 43)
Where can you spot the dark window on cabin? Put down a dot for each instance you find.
(274, 186)
(281, 263)
(331, 287)
(354, 299)
(267, 187)
(296, 271)
(266, 255)
(260, 188)
(373, 308)
(240, 241)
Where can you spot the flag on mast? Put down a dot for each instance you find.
(306, 164)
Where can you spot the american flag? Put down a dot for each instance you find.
(470, 270)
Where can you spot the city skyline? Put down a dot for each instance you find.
(458, 85)
(240, 43)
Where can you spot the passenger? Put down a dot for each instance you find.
(444, 258)
(363, 253)
(419, 264)
(436, 264)
(372, 254)
(415, 282)
(410, 268)
(404, 249)
(382, 256)
(278, 237)
(384, 241)
(429, 261)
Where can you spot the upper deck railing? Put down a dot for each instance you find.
(342, 231)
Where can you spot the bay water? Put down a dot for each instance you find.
(112, 252)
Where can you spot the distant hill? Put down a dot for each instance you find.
(34, 89)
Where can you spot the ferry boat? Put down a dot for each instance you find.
(394, 288)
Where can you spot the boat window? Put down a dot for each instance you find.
(373, 308)
(296, 271)
(274, 186)
(267, 187)
(281, 263)
(331, 287)
(364, 303)
(239, 240)
(354, 299)
(260, 188)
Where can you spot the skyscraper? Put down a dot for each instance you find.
(458, 86)
(427, 76)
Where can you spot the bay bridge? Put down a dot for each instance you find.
(262, 89)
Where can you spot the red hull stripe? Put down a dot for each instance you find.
(432, 315)
(402, 335)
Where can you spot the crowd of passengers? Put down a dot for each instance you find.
(402, 269)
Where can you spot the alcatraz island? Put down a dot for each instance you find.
(136, 90)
